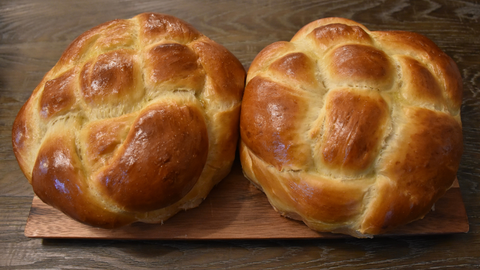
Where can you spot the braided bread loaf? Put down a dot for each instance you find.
(349, 130)
(136, 121)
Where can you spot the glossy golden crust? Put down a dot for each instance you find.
(102, 82)
(176, 63)
(349, 130)
(160, 160)
(270, 119)
(58, 180)
(362, 65)
(58, 95)
(355, 122)
(137, 121)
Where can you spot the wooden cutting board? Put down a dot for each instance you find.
(235, 209)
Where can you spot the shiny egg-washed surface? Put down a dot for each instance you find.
(137, 121)
(350, 130)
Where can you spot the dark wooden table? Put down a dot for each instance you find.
(33, 34)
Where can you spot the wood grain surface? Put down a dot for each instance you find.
(33, 34)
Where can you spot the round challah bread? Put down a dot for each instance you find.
(350, 130)
(137, 121)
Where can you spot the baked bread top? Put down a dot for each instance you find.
(136, 121)
(350, 130)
